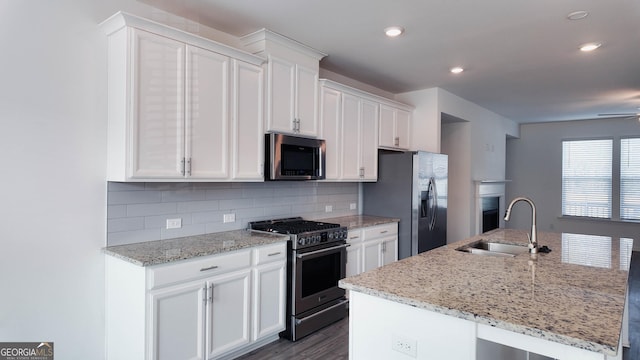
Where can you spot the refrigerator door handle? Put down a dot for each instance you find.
(433, 195)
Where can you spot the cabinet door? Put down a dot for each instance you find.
(351, 169)
(387, 126)
(157, 73)
(389, 250)
(207, 114)
(248, 133)
(177, 322)
(281, 96)
(369, 141)
(330, 130)
(307, 101)
(371, 254)
(228, 313)
(403, 128)
(269, 299)
(354, 260)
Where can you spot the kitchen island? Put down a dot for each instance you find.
(567, 304)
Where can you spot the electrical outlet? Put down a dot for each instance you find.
(227, 218)
(404, 345)
(174, 223)
(352, 206)
(328, 208)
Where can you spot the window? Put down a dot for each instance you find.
(630, 179)
(587, 178)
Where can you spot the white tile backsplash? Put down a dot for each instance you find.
(137, 212)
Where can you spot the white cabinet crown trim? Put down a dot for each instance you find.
(369, 96)
(256, 42)
(122, 19)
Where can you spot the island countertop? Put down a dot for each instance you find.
(574, 295)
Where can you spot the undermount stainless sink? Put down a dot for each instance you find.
(487, 247)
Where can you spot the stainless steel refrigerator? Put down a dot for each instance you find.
(411, 186)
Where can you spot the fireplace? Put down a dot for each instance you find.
(490, 205)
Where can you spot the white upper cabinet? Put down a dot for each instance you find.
(292, 98)
(350, 121)
(395, 129)
(292, 82)
(180, 106)
(207, 114)
(331, 132)
(349, 125)
(247, 122)
(157, 131)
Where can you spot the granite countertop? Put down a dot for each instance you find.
(164, 251)
(359, 221)
(574, 295)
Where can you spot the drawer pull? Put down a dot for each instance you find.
(275, 253)
(384, 231)
(354, 237)
(209, 268)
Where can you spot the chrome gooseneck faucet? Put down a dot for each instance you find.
(533, 238)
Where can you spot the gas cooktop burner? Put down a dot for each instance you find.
(303, 232)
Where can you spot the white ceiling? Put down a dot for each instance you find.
(521, 56)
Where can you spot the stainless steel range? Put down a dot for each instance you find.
(317, 261)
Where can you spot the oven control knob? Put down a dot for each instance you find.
(302, 241)
(330, 235)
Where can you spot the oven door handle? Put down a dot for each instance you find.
(301, 256)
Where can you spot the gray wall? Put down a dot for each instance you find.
(534, 164)
(138, 212)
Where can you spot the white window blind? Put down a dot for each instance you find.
(630, 179)
(586, 178)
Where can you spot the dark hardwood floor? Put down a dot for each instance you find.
(329, 343)
(332, 342)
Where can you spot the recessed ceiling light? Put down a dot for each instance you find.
(577, 15)
(456, 70)
(589, 47)
(393, 31)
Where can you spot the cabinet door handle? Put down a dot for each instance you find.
(182, 166)
(189, 167)
(209, 268)
(361, 172)
(275, 253)
(397, 141)
(211, 293)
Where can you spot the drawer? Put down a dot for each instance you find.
(380, 231)
(269, 253)
(197, 268)
(354, 236)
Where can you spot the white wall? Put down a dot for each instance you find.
(425, 129)
(53, 194)
(534, 163)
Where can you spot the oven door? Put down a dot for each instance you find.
(316, 273)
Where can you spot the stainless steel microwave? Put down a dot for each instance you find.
(290, 157)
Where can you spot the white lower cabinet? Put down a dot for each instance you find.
(371, 247)
(215, 307)
(177, 321)
(380, 245)
(354, 252)
(228, 315)
(269, 298)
